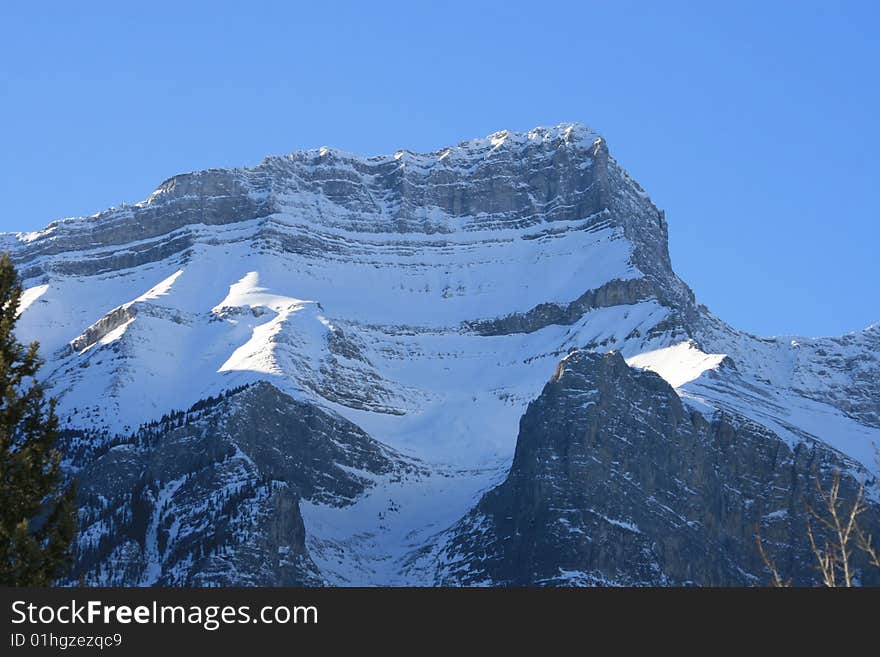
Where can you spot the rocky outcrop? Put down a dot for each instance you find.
(507, 181)
(210, 496)
(841, 371)
(614, 293)
(427, 297)
(617, 482)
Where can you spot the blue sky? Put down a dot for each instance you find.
(754, 125)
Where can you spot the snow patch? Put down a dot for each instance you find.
(677, 364)
(160, 289)
(30, 295)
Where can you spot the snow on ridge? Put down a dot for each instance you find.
(160, 289)
(473, 149)
(247, 292)
(678, 363)
(317, 322)
(564, 133)
(30, 295)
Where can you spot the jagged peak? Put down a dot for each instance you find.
(465, 153)
(577, 360)
(562, 134)
(566, 133)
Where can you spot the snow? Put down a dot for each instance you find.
(799, 388)
(30, 295)
(247, 292)
(151, 544)
(498, 138)
(677, 364)
(113, 335)
(161, 289)
(791, 416)
(623, 524)
(370, 542)
(264, 298)
(229, 314)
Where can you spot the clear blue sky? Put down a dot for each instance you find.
(755, 125)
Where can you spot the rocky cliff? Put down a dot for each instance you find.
(210, 496)
(615, 481)
(411, 306)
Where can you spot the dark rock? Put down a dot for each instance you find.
(615, 481)
(613, 293)
(210, 497)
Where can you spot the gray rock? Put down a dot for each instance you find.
(210, 497)
(614, 293)
(616, 482)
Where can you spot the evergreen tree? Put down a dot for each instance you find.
(37, 516)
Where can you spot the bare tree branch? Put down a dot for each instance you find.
(864, 542)
(771, 565)
(833, 549)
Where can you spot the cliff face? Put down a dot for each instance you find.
(616, 482)
(421, 301)
(210, 496)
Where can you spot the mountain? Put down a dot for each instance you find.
(396, 319)
(210, 496)
(616, 482)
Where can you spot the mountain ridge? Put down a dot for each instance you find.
(425, 299)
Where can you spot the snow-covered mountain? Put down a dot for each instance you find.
(409, 307)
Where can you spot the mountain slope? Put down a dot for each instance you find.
(210, 496)
(426, 299)
(616, 482)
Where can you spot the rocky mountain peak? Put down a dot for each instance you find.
(418, 303)
(616, 482)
